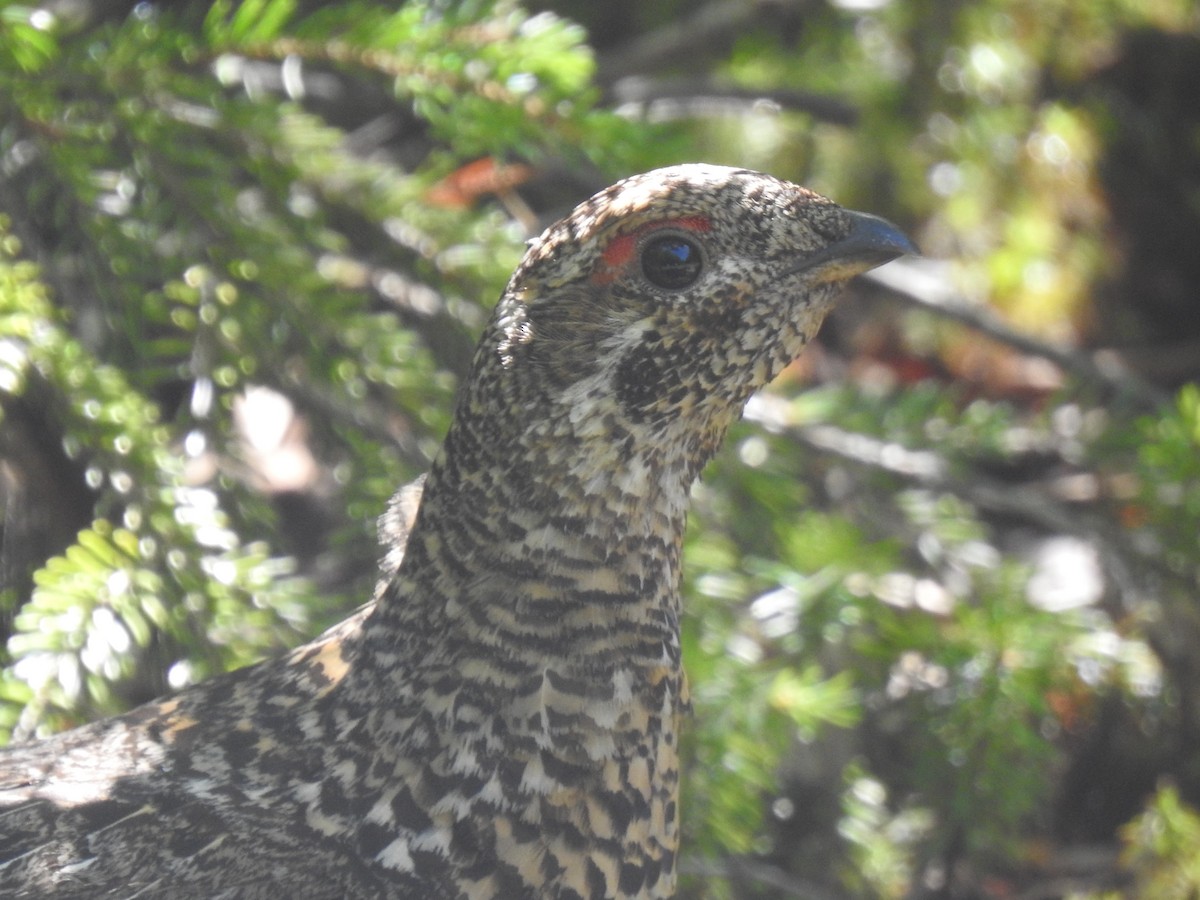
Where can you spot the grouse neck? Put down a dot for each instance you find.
(566, 542)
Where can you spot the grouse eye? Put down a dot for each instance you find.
(672, 261)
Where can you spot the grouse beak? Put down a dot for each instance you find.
(872, 241)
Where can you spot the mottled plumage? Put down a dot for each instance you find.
(502, 722)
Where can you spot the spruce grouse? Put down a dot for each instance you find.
(503, 721)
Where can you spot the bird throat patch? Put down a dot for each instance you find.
(643, 386)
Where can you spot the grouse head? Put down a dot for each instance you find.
(653, 311)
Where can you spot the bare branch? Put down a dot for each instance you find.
(743, 869)
(917, 284)
(709, 32)
(660, 100)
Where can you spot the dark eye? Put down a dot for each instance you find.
(671, 261)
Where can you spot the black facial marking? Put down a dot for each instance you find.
(639, 382)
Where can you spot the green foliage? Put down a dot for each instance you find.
(981, 685)
(969, 129)
(1162, 847)
(24, 35)
(98, 610)
(1168, 467)
(901, 616)
(199, 238)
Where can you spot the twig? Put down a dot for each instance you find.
(667, 99)
(741, 869)
(930, 470)
(914, 283)
(707, 32)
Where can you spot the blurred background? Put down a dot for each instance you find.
(943, 583)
